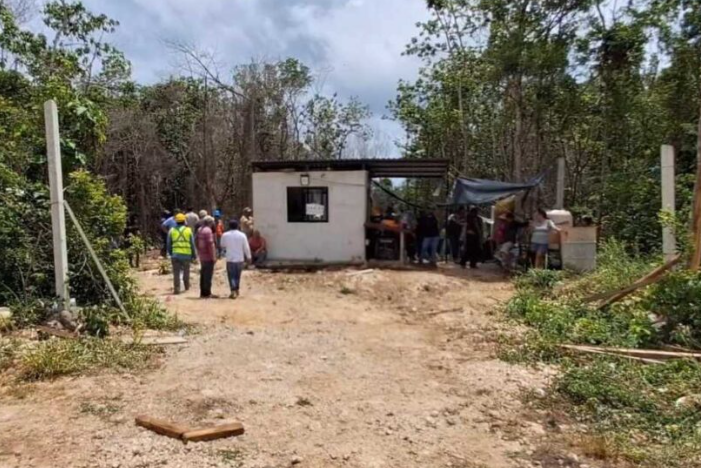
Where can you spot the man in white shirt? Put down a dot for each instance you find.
(235, 245)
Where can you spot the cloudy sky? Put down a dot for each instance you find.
(355, 45)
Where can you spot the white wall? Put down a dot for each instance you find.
(342, 239)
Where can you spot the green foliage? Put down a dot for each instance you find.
(641, 404)
(677, 298)
(648, 413)
(54, 358)
(539, 279)
(506, 89)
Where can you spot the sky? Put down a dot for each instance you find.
(354, 46)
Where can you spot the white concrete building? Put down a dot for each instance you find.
(322, 221)
(316, 211)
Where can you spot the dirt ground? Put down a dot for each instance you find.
(328, 369)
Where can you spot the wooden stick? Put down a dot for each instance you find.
(652, 277)
(159, 426)
(212, 433)
(643, 353)
(593, 350)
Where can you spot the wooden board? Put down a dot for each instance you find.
(155, 340)
(161, 427)
(56, 332)
(641, 353)
(595, 350)
(212, 433)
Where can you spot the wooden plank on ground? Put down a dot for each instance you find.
(155, 340)
(215, 432)
(360, 272)
(595, 350)
(658, 354)
(161, 427)
(56, 332)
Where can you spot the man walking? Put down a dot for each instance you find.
(191, 218)
(181, 248)
(207, 251)
(237, 251)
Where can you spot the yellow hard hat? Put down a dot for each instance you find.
(179, 218)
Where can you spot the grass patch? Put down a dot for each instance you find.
(649, 415)
(231, 457)
(54, 358)
(345, 290)
(9, 352)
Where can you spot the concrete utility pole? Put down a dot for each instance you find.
(58, 216)
(560, 193)
(669, 242)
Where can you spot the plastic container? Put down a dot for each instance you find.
(579, 248)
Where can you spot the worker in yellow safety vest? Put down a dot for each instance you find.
(181, 248)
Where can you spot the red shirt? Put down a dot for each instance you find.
(205, 245)
(256, 244)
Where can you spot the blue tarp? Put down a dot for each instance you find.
(484, 192)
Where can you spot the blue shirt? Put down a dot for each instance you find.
(169, 223)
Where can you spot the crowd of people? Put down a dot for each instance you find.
(198, 237)
(462, 237)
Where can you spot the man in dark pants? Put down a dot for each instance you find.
(181, 248)
(456, 222)
(238, 252)
(207, 251)
(472, 238)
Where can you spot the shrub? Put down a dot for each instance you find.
(678, 298)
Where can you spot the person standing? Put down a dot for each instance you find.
(202, 215)
(207, 251)
(181, 248)
(237, 251)
(431, 234)
(259, 248)
(456, 222)
(472, 238)
(247, 222)
(540, 236)
(167, 222)
(191, 219)
(218, 231)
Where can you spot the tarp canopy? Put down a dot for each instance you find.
(483, 192)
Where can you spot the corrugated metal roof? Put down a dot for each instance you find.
(390, 168)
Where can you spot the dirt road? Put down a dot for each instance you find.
(328, 369)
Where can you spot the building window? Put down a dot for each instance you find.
(307, 204)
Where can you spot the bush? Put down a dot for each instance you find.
(678, 299)
(633, 407)
(27, 273)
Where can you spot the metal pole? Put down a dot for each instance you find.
(96, 260)
(669, 242)
(560, 195)
(58, 216)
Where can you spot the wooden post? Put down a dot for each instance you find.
(58, 216)
(560, 194)
(669, 242)
(402, 246)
